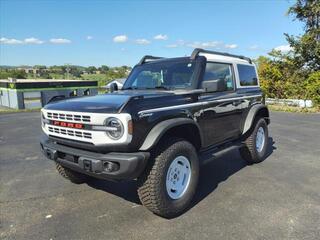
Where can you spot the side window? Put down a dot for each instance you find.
(221, 72)
(247, 75)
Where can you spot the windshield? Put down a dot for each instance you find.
(176, 74)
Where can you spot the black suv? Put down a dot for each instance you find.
(169, 114)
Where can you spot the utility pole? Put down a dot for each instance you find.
(68, 70)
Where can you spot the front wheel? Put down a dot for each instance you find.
(256, 144)
(169, 183)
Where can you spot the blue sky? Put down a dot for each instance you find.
(120, 32)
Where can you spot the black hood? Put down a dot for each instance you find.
(105, 103)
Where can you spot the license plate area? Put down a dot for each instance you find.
(90, 165)
(68, 157)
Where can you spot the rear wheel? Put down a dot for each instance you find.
(256, 144)
(71, 175)
(169, 183)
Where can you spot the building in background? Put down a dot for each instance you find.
(35, 93)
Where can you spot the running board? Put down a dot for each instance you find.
(213, 153)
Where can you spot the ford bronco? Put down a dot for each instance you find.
(169, 114)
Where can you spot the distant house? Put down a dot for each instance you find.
(118, 81)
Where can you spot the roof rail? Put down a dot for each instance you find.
(147, 57)
(197, 51)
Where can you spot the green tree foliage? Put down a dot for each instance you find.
(306, 47)
(91, 69)
(312, 86)
(12, 73)
(295, 74)
(104, 69)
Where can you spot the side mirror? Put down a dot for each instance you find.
(113, 87)
(215, 85)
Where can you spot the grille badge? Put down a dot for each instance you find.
(67, 124)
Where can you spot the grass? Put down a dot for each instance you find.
(285, 108)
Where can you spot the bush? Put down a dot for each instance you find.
(312, 86)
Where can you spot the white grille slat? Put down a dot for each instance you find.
(69, 117)
(64, 132)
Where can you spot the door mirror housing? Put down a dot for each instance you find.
(214, 85)
(113, 87)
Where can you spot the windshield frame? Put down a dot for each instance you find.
(199, 62)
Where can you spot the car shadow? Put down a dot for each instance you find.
(124, 189)
(220, 169)
(211, 175)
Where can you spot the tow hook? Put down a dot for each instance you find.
(50, 153)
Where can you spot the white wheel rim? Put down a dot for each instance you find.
(260, 138)
(178, 177)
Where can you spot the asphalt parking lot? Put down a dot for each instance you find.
(276, 199)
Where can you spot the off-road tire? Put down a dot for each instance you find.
(249, 151)
(152, 184)
(71, 175)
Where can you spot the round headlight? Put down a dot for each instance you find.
(115, 128)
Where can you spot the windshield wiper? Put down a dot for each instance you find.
(159, 87)
(162, 87)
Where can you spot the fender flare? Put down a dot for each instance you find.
(252, 114)
(161, 128)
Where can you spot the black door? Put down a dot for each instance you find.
(221, 115)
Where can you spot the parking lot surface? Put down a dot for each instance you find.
(276, 199)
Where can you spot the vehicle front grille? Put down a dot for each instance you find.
(69, 117)
(69, 132)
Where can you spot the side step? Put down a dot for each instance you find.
(215, 152)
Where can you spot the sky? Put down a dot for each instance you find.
(116, 33)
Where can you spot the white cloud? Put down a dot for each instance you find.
(10, 41)
(89, 37)
(142, 41)
(120, 39)
(231, 46)
(211, 44)
(161, 37)
(283, 48)
(59, 40)
(33, 40)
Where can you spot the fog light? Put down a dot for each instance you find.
(111, 166)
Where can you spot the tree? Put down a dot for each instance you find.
(306, 47)
(104, 69)
(295, 74)
(307, 11)
(12, 73)
(91, 69)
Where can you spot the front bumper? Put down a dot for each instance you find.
(112, 166)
